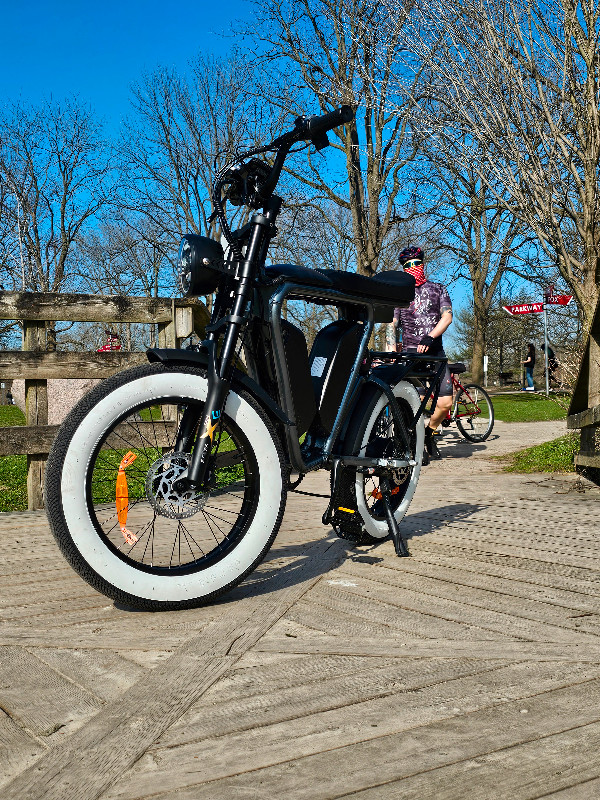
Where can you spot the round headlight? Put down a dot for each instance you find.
(200, 263)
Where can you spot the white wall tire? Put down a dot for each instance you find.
(378, 528)
(77, 532)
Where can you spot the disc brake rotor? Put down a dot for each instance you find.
(163, 497)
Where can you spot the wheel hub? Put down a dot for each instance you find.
(162, 494)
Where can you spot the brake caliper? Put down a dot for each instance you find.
(122, 497)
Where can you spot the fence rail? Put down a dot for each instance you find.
(176, 320)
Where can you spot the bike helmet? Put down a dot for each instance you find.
(411, 254)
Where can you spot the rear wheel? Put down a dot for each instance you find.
(475, 413)
(374, 434)
(113, 501)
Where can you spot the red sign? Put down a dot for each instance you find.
(525, 308)
(558, 299)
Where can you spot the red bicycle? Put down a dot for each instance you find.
(471, 408)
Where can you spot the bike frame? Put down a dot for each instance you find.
(453, 413)
(246, 301)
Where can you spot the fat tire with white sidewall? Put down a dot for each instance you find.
(66, 500)
(351, 489)
(380, 529)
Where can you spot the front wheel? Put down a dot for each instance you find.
(113, 500)
(474, 413)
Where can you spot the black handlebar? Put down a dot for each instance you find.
(317, 126)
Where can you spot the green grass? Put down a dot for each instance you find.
(13, 483)
(13, 469)
(526, 408)
(11, 415)
(554, 456)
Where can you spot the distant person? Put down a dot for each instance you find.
(423, 324)
(552, 363)
(529, 364)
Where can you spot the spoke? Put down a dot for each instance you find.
(186, 531)
(208, 522)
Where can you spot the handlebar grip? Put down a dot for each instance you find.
(315, 126)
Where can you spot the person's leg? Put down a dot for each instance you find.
(529, 371)
(443, 405)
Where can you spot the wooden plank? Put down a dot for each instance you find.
(30, 365)
(398, 647)
(38, 697)
(18, 749)
(584, 579)
(566, 591)
(587, 459)
(104, 674)
(36, 412)
(91, 308)
(566, 716)
(581, 791)
(512, 583)
(119, 734)
(590, 416)
(377, 581)
(307, 698)
(174, 767)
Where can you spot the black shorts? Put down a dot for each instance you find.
(446, 389)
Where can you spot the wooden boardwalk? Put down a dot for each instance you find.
(470, 670)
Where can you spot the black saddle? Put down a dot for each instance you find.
(387, 288)
(457, 368)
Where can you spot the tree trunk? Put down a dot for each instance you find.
(479, 331)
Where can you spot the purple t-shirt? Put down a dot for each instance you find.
(423, 314)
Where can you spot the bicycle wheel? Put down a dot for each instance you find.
(113, 504)
(474, 413)
(373, 434)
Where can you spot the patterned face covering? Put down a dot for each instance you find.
(415, 268)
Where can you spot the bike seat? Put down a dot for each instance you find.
(457, 368)
(387, 288)
(279, 273)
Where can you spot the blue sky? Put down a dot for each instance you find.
(96, 50)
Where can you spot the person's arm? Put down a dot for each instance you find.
(440, 328)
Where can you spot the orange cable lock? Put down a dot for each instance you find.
(122, 497)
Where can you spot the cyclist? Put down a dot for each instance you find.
(423, 323)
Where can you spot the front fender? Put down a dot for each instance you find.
(173, 357)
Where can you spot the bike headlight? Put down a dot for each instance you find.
(199, 264)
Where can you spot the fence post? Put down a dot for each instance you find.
(36, 413)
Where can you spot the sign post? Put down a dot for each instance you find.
(546, 348)
(550, 298)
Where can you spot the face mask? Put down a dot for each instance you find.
(415, 268)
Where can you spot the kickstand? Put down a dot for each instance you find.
(399, 543)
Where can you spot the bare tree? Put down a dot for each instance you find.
(181, 133)
(484, 238)
(55, 174)
(334, 52)
(520, 81)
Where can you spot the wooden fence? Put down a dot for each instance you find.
(176, 319)
(584, 411)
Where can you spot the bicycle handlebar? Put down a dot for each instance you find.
(318, 125)
(306, 128)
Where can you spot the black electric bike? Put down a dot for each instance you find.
(167, 483)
